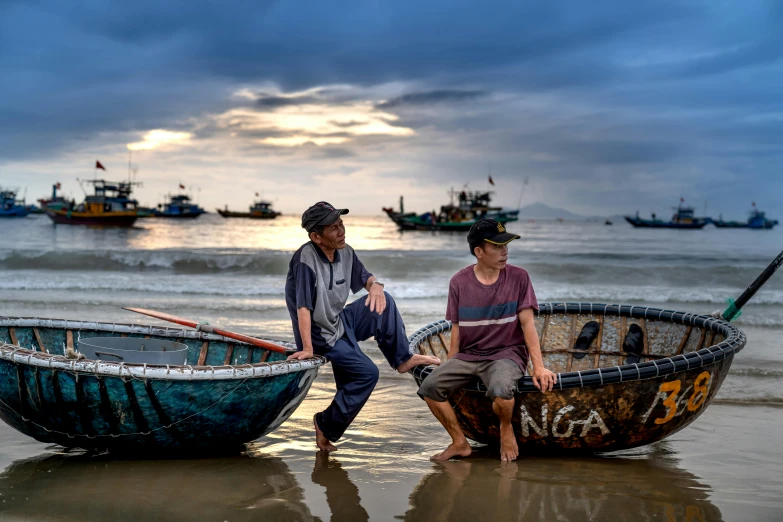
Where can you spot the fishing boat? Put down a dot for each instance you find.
(179, 206)
(145, 212)
(226, 394)
(110, 205)
(757, 220)
(454, 217)
(258, 210)
(10, 206)
(56, 202)
(683, 217)
(606, 397)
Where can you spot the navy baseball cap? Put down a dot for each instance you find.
(321, 214)
(491, 231)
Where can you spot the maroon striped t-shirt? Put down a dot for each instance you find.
(487, 315)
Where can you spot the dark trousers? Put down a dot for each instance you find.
(354, 373)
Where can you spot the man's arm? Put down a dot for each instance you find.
(454, 344)
(303, 318)
(375, 298)
(543, 379)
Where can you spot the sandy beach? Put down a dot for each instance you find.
(725, 467)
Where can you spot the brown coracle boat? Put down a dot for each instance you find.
(602, 400)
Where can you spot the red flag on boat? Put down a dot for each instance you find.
(490, 181)
(99, 166)
(181, 186)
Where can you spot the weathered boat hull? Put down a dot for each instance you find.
(649, 223)
(600, 403)
(767, 225)
(185, 215)
(15, 212)
(229, 214)
(64, 217)
(231, 394)
(416, 223)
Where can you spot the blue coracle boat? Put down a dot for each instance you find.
(227, 394)
(10, 206)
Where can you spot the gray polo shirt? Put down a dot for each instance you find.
(321, 286)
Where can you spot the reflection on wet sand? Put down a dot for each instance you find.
(80, 487)
(341, 494)
(648, 488)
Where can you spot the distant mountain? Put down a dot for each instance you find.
(542, 211)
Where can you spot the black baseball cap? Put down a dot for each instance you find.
(322, 213)
(491, 231)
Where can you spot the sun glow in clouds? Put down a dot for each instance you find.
(157, 138)
(319, 123)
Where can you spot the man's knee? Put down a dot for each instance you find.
(501, 390)
(429, 389)
(390, 303)
(371, 373)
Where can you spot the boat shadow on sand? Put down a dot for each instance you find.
(84, 487)
(633, 487)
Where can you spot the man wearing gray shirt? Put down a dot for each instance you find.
(320, 276)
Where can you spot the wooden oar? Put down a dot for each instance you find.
(733, 311)
(207, 328)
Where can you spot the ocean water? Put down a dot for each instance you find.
(231, 272)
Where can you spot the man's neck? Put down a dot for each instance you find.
(486, 275)
(329, 253)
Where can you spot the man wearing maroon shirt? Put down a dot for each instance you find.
(493, 336)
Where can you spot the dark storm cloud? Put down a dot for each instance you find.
(347, 124)
(430, 98)
(276, 102)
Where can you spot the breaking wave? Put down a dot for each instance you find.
(776, 402)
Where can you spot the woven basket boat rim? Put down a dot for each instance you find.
(734, 342)
(19, 355)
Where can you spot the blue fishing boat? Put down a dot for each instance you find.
(757, 220)
(178, 206)
(10, 206)
(683, 217)
(226, 394)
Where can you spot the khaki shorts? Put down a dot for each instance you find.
(500, 377)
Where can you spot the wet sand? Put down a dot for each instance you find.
(726, 466)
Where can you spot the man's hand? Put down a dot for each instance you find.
(376, 299)
(543, 379)
(301, 354)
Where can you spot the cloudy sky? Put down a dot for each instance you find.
(606, 107)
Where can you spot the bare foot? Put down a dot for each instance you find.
(454, 451)
(418, 360)
(508, 444)
(321, 441)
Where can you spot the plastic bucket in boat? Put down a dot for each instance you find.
(133, 350)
